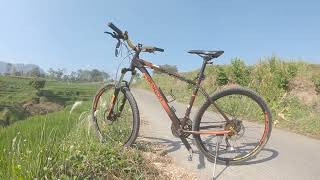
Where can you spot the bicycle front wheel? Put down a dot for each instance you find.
(240, 111)
(115, 116)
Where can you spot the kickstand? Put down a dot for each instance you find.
(219, 140)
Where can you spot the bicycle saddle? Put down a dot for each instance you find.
(212, 54)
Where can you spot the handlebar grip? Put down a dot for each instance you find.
(158, 49)
(113, 27)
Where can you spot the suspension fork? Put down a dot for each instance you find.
(134, 72)
(118, 88)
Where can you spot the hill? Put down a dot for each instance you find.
(62, 145)
(19, 100)
(21, 68)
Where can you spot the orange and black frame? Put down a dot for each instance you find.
(141, 65)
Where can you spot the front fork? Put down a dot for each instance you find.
(121, 83)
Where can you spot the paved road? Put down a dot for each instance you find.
(286, 156)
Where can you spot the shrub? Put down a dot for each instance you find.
(167, 67)
(317, 84)
(282, 71)
(240, 73)
(221, 78)
(37, 84)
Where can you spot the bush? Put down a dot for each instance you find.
(240, 73)
(221, 78)
(167, 67)
(317, 84)
(37, 84)
(282, 71)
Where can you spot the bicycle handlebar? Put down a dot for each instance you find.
(158, 49)
(117, 30)
(125, 37)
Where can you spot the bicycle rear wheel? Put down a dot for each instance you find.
(250, 125)
(122, 124)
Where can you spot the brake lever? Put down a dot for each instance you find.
(113, 34)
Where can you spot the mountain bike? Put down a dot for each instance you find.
(237, 117)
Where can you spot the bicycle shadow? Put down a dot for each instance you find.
(172, 146)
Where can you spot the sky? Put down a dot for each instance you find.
(69, 33)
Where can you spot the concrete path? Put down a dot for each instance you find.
(286, 156)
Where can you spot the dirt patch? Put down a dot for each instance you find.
(41, 107)
(154, 154)
(304, 90)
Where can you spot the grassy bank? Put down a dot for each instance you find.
(16, 91)
(61, 145)
(291, 89)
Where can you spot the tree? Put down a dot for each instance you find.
(51, 73)
(38, 84)
(222, 78)
(92, 76)
(97, 75)
(35, 72)
(73, 76)
(8, 69)
(167, 67)
(14, 72)
(59, 73)
(240, 72)
(18, 73)
(56, 74)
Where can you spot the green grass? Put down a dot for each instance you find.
(26, 144)
(61, 145)
(270, 78)
(14, 91)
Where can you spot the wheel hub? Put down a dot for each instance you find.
(235, 127)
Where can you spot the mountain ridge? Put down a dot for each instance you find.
(19, 67)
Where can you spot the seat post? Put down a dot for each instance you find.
(203, 67)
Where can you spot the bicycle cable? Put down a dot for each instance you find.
(129, 53)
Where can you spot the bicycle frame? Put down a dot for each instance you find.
(141, 65)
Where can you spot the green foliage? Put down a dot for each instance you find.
(240, 72)
(15, 91)
(59, 146)
(26, 145)
(317, 84)
(270, 78)
(221, 77)
(35, 72)
(283, 72)
(37, 83)
(167, 67)
(80, 75)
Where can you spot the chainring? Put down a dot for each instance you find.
(187, 126)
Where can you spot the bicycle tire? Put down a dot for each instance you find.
(227, 92)
(133, 107)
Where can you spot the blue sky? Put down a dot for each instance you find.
(69, 34)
